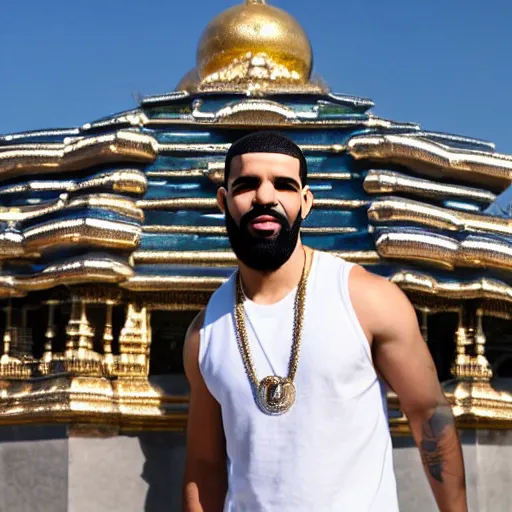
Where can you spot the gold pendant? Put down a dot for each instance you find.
(276, 395)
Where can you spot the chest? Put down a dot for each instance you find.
(333, 362)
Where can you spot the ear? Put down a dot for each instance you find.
(307, 201)
(221, 199)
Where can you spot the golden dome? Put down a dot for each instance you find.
(255, 30)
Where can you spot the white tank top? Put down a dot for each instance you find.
(331, 452)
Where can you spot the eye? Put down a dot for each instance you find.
(242, 189)
(285, 186)
(244, 184)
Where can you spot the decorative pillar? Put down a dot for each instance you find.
(470, 361)
(50, 332)
(131, 387)
(134, 343)
(23, 339)
(484, 368)
(108, 338)
(80, 333)
(10, 366)
(79, 357)
(7, 338)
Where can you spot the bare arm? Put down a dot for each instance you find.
(205, 482)
(403, 359)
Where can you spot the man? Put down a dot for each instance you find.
(286, 411)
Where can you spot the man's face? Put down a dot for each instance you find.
(264, 205)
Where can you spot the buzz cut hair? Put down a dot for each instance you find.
(266, 142)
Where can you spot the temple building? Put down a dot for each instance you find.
(111, 242)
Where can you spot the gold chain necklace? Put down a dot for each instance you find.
(274, 395)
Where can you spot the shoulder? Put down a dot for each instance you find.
(191, 345)
(329, 264)
(363, 282)
(359, 279)
(195, 326)
(223, 295)
(379, 304)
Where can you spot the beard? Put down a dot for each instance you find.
(265, 254)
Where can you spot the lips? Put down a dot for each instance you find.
(265, 224)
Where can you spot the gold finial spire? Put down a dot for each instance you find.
(254, 42)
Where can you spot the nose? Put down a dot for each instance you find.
(265, 194)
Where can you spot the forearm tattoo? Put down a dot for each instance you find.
(433, 440)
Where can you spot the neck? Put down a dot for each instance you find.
(271, 287)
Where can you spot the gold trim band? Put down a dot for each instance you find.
(445, 251)
(121, 146)
(228, 258)
(222, 149)
(86, 270)
(390, 182)
(221, 231)
(210, 203)
(433, 159)
(406, 210)
(215, 173)
(478, 289)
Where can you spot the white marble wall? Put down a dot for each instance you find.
(33, 469)
(43, 469)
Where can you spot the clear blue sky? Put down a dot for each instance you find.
(443, 63)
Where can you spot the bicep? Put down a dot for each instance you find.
(205, 435)
(402, 356)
